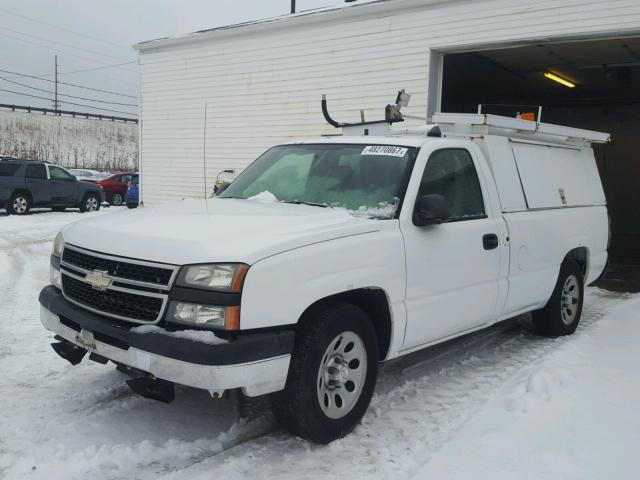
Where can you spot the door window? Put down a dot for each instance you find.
(37, 172)
(58, 173)
(450, 172)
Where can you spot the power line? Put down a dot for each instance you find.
(98, 68)
(65, 29)
(70, 96)
(69, 84)
(56, 49)
(68, 103)
(4, 29)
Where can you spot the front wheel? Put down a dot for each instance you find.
(332, 374)
(561, 314)
(91, 203)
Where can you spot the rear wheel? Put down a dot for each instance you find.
(20, 204)
(117, 199)
(132, 205)
(561, 314)
(332, 375)
(90, 203)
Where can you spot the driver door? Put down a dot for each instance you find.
(452, 277)
(63, 186)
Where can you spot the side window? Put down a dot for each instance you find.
(451, 173)
(125, 178)
(37, 171)
(8, 169)
(58, 173)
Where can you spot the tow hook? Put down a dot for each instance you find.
(153, 388)
(70, 352)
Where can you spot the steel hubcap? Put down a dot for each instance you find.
(20, 205)
(570, 300)
(92, 204)
(341, 375)
(117, 199)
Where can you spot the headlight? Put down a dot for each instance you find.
(206, 316)
(227, 277)
(58, 246)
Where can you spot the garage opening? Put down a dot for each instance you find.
(587, 84)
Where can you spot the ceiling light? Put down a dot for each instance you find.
(560, 80)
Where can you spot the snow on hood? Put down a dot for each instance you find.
(215, 230)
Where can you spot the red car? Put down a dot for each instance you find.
(115, 187)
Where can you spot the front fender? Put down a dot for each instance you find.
(278, 289)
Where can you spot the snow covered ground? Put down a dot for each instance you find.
(501, 403)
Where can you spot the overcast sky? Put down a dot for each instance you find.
(93, 34)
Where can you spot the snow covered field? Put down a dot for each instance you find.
(497, 404)
(69, 142)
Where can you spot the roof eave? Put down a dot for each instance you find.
(375, 6)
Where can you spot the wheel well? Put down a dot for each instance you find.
(581, 256)
(373, 301)
(23, 191)
(86, 195)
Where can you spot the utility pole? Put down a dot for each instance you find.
(293, 6)
(55, 102)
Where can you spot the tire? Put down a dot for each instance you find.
(327, 393)
(561, 314)
(117, 200)
(58, 209)
(132, 205)
(19, 204)
(90, 203)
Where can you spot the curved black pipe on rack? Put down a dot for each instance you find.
(333, 123)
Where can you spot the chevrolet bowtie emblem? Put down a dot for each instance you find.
(98, 279)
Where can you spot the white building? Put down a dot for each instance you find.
(262, 82)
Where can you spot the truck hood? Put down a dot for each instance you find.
(215, 230)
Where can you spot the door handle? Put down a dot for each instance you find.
(490, 241)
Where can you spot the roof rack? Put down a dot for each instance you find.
(485, 124)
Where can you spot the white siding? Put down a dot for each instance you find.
(263, 82)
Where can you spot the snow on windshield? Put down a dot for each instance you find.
(381, 210)
(265, 197)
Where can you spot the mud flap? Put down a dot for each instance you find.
(70, 352)
(153, 388)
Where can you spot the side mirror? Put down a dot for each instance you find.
(218, 189)
(431, 210)
(74, 178)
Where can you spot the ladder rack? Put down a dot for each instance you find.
(484, 124)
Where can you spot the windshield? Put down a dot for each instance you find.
(366, 179)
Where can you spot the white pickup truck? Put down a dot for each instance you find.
(327, 256)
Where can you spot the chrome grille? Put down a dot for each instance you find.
(121, 268)
(136, 290)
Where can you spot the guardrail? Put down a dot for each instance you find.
(69, 113)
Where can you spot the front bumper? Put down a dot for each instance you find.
(255, 362)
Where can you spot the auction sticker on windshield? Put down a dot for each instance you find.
(388, 150)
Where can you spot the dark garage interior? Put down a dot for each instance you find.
(605, 97)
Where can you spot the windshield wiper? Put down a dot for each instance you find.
(300, 202)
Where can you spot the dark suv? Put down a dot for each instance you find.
(25, 184)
